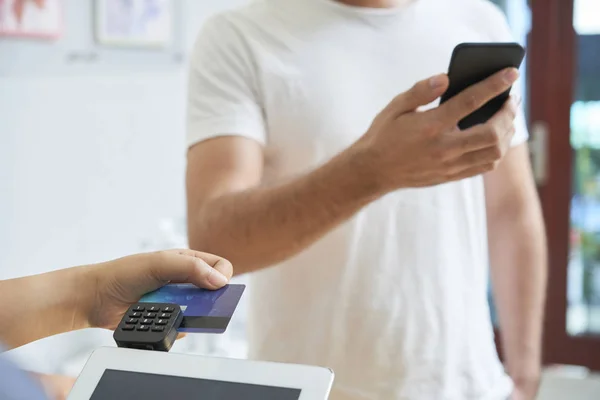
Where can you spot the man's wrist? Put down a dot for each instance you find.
(527, 379)
(359, 166)
(526, 389)
(527, 366)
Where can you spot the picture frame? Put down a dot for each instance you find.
(37, 19)
(134, 23)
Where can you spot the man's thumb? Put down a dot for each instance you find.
(422, 93)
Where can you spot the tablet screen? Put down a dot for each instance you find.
(126, 385)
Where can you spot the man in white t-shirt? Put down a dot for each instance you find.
(316, 163)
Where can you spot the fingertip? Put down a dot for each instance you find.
(511, 75)
(217, 279)
(211, 276)
(438, 82)
(225, 267)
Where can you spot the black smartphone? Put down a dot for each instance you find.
(474, 62)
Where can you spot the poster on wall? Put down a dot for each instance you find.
(134, 23)
(31, 18)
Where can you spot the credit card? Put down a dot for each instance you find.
(204, 311)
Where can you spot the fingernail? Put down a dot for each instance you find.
(437, 81)
(511, 75)
(217, 279)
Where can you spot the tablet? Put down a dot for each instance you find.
(124, 374)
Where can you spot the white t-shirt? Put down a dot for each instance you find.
(395, 299)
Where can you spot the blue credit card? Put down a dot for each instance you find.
(204, 311)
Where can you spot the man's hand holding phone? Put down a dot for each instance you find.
(408, 148)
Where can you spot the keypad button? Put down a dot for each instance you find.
(138, 308)
(153, 309)
(143, 328)
(146, 321)
(132, 321)
(168, 309)
(158, 328)
(128, 328)
(151, 315)
(164, 316)
(135, 315)
(161, 322)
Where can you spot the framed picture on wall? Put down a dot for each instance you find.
(134, 23)
(31, 18)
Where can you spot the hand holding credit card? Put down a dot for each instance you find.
(204, 311)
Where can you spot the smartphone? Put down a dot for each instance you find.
(474, 62)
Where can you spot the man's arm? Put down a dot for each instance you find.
(518, 266)
(256, 226)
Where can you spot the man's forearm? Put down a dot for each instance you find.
(39, 306)
(265, 225)
(519, 271)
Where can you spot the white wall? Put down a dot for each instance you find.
(91, 156)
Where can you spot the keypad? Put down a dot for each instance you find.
(154, 319)
(149, 326)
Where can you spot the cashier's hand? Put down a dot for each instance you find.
(120, 283)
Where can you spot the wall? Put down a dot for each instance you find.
(92, 155)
